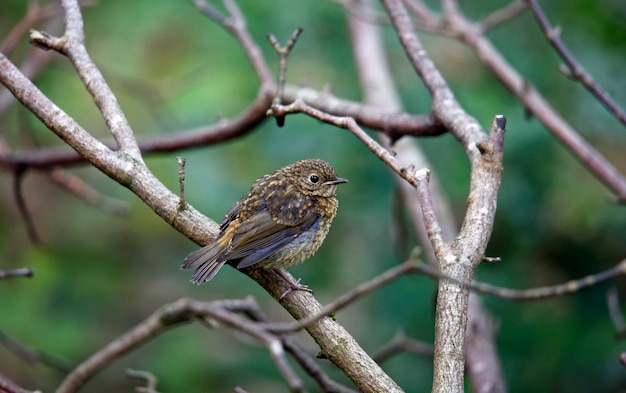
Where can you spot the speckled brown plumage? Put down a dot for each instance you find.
(282, 221)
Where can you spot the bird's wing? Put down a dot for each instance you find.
(260, 236)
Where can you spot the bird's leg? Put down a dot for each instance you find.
(293, 286)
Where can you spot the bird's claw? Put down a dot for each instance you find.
(295, 287)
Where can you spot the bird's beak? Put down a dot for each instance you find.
(338, 180)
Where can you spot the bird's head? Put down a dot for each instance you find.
(314, 177)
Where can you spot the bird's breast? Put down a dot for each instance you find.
(301, 248)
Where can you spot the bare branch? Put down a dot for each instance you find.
(283, 53)
(183, 311)
(121, 167)
(169, 315)
(402, 343)
(77, 187)
(8, 386)
(470, 34)
(335, 343)
(18, 177)
(433, 230)
(236, 25)
(72, 45)
(445, 107)
(533, 294)
(35, 13)
(247, 121)
(612, 300)
(503, 15)
(393, 123)
(149, 378)
(482, 364)
(309, 365)
(299, 106)
(349, 297)
(21, 272)
(33, 64)
(379, 90)
(576, 70)
(182, 204)
(34, 356)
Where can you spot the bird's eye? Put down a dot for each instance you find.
(314, 178)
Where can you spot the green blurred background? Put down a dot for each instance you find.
(172, 69)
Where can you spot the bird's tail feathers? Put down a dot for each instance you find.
(206, 262)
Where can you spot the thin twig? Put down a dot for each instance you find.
(533, 294)
(394, 123)
(272, 343)
(283, 53)
(35, 13)
(612, 300)
(36, 60)
(299, 106)
(225, 130)
(503, 15)
(148, 377)
(349, 297)
(415, 267)
(576, 70)
(445, 107)
(21, 272)
(433, 230)
(235, 24)
(8, 386)
(312, 367)
(472, 35)
(251, 309)
(402, 343)
(34, 356)
(18, 177)
(79, 188)
(182, 204)
(181, 311)
(72, 45)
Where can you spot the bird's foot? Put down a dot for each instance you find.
(295, 286)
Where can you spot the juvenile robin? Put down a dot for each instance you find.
(281, 222)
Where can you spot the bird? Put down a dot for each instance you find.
(279, 223)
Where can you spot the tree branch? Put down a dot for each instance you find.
(576, 70)
(8, 386)
(460, 257)
(472, 35)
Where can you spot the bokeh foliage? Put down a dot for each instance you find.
(172, 69)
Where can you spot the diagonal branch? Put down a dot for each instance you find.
(18, 178)
(472, 35)
(72, 44)
(576, 70)
(21, 272)
(119, 166)
(503, 15)
(236, 24)
(8, 386)
(181, 311)
(348, 123)
(445, 107)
